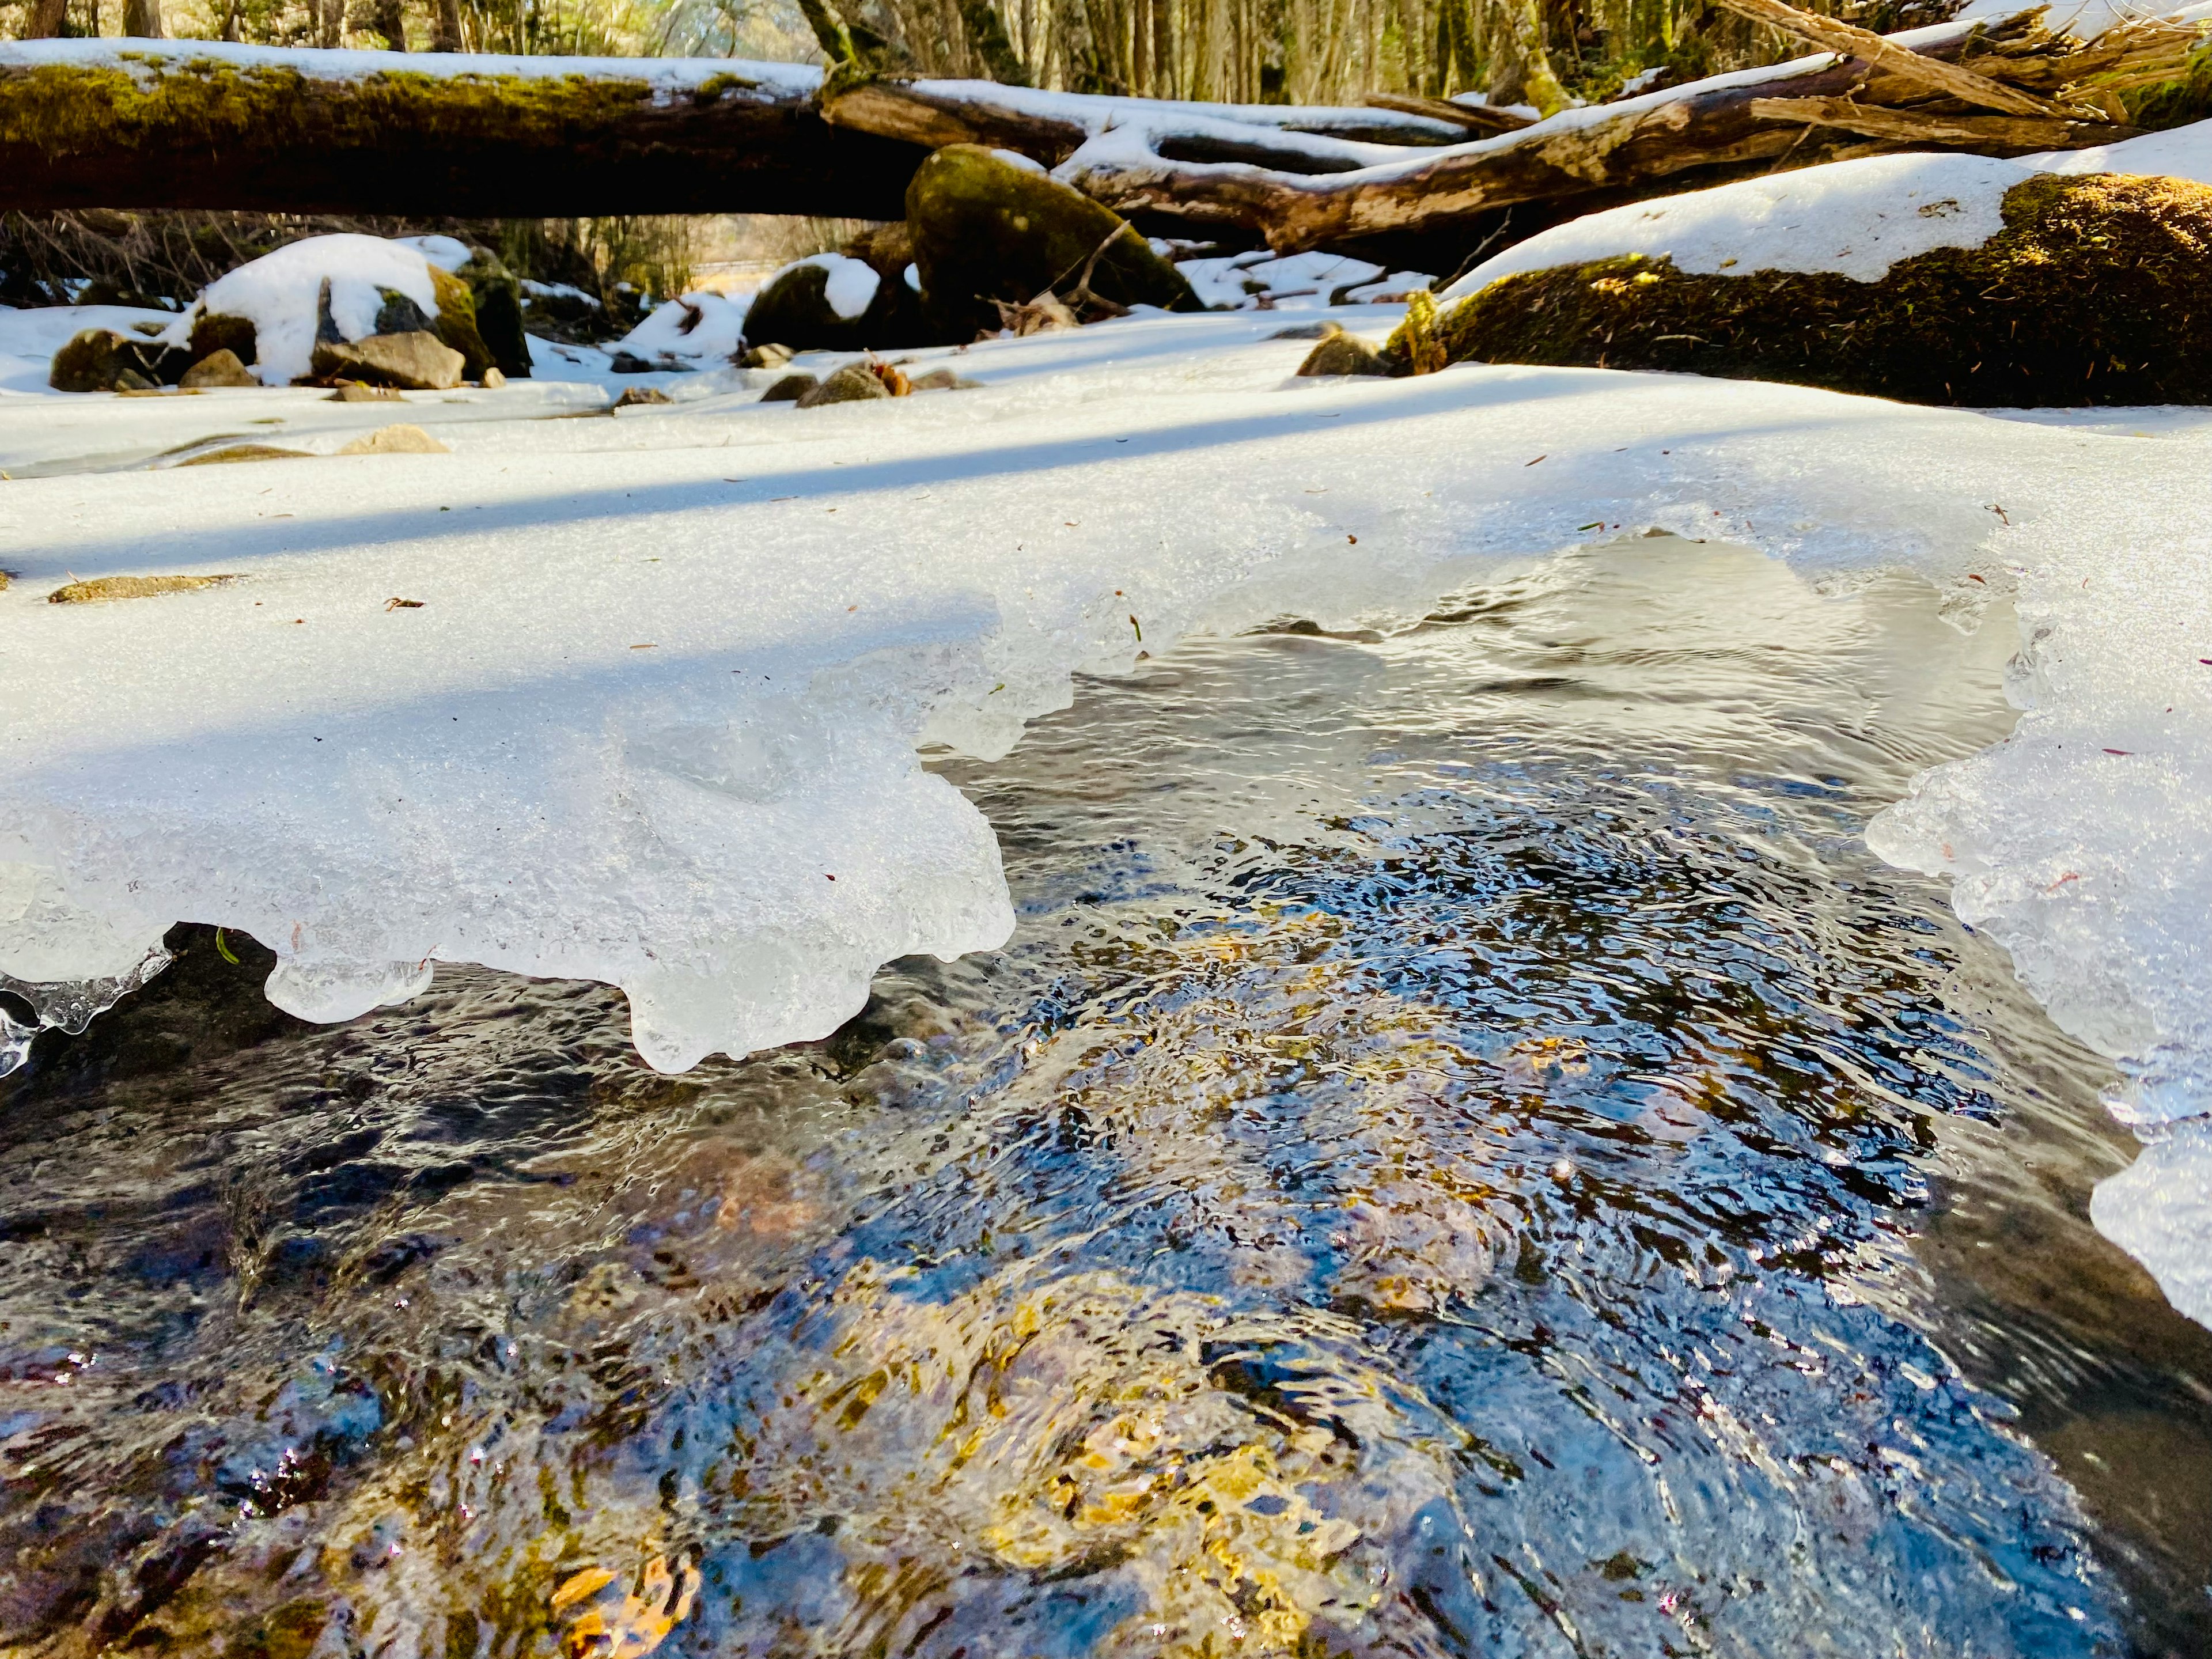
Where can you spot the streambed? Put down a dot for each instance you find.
(1467, 1153)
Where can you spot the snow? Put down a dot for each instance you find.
(278, 293)
(1264, 281)
(850, 287)
(656, 721)
(29, 339)
(670, 78)
(693, 331)
(1856, 217)
(2178, 152)
(2085, 19)
(448, 253)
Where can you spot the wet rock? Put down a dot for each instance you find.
(854, 383)
(2097, 290)
(986, 229)
(628, 362)
(416, 362)
(1346, 353)
(401, 440)
(101, 589)
(790, 388)
(218, 368)
(642, 397)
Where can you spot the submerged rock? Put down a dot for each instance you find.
(401, 440)
(2098, 289)
(246, 452)
(101, 589)
(415, 362)
(986, 229)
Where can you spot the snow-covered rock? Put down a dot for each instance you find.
(278, 294)
(1260, 280)
(694, 331)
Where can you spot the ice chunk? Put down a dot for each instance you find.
(2160, 1212)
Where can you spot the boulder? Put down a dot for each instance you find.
(497, 298)
(352, 391)
(218, 368)
(214, 331)
(854, 383)
(837, 302)
(102, 360)
(985, 228)
(942, 379)
(640, 397)
(790, 388)
(456, 325)
(1346, 353)
(2097, 289)
(415, 362)
(402, 440)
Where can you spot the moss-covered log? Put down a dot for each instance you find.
(2098, 290)
(201, 124)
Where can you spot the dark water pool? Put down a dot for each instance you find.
(1467, 1155)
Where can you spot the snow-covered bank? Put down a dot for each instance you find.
(654, 718)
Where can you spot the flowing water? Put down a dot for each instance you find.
(1467, 1153)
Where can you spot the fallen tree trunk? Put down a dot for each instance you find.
(1930, 89)
(118, 124)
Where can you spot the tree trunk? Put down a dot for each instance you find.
(141, 19)
(286, 131)
(446, 26)
(47, 19)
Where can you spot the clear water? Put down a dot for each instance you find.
(1467, 1154)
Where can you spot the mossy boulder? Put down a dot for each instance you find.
(456, 323)
(794, 307)
(496, 297)
(215, 330)
(2097, 290)
(985, 228)
(102, 360)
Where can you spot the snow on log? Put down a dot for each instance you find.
(1311, 183)
(130, 124)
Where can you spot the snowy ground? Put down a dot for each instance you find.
(653, 716)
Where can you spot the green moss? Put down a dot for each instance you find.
(2098, 290)
(60, 109)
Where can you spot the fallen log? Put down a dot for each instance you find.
(1931, 87)
(139, 124)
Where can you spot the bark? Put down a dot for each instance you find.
(446, 26)
(273, 139)
(142, 19)
(45, 19)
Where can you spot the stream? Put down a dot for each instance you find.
(1467, 1153)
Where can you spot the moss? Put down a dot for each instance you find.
(456, 322)
(2098, 290)
(101, 589)
(58, 109)
(986, 229)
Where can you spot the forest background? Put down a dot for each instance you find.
(1539, 53)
